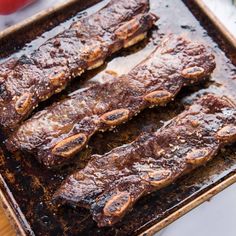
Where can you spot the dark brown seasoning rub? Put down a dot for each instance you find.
(110, 184)
(27, 81)
(57, 133)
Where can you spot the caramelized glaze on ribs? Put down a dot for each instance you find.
(62, 130)
(111, 184)
(27, 81)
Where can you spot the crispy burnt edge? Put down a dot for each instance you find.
(64, 149)
(17, 106)
(109, 202)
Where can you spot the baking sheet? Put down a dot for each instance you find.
(223, 19)
(32, 186)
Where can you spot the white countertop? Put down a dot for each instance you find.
(225, 12)
(216, 217)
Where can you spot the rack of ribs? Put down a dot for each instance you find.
(110, 184)
(57, 133)
(27, 81)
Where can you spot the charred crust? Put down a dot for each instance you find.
(154, 160)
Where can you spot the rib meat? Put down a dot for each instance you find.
(62, 130)
(111, 184)
(27, 81)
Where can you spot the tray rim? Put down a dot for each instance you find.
(36, 17)
(190, 206)
(15, 217)
(7, 200)
(218, 24)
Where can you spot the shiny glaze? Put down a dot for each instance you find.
(113, 100)
(84, 46)
(111, 184)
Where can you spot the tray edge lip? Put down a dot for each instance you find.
(16, 217)
(190, 206)
(212, 17)
(35, 17)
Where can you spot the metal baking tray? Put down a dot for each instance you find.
(26, 187)
(216, 21)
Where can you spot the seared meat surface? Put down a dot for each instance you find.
(27, 81)
(57, 133)
(110, 184)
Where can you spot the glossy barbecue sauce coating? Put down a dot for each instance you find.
(111, 184)
(27, 81)
(57, 133)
